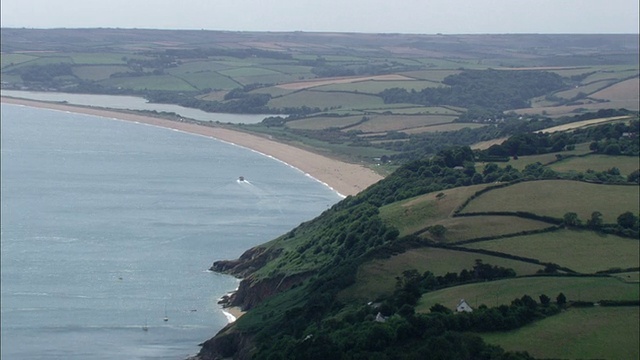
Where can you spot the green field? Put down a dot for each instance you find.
(164, 82)
(101, 72)
(578, 333)
(597, 162)
(417, 213)
(473, 227)
(378, 277)
(495, 293)
(380, 123)
(375, 87)
(209, 80)
(522, 161)
(323, 122)
(327, 100)
(557, 197)
(582, 251)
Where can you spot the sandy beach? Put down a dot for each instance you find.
(345, 178)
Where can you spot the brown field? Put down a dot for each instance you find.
(483, 145)
(556, 111)
(624, 90)
(579, 124)
(309, 84)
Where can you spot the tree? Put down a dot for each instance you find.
(596, 220)
(439, 308)
(561, 299)
(544, 300)
(571, 219)
(437, 230)
(628, 220)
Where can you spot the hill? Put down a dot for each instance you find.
(377, 99)
(381, 273)
(536, 227)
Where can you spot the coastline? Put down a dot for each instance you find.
(344, 178)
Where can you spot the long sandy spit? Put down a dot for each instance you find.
(345, 178)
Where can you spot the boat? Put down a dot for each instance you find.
(166, 318)
(145, 327)
(241, 178)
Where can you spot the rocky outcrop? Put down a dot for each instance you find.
(227, 344)
(230, 343)
(251, 292)
(250, 261)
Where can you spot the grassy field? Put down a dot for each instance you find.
(544, 159)
(557, 197)
(472, 227)
(381, 123)
(582, 251)
(327, 100)
(603, 333)
(444, 127)
(98, 72)
(597, 162)
(378, 277)
(495, 293)
(323, 122)
(416, 213)
(375, 87)
(165, 82)
(586, 89)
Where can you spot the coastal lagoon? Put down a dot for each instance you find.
(132, 103)
(109, 226)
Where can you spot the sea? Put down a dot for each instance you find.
(109, 227)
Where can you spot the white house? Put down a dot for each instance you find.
(463, 306)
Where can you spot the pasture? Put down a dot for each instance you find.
(580, 250)
(522, 161)
(556, 197)
(441, 128)
(472, 227)
(415, 214)
(578, 333)
(328, 100)
(323, 122)
(378, 277)
(382, 123)
(377, 86)
(98, 72)
(164, 82)
(597, 162)
(502, 292)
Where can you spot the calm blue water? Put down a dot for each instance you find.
(108, 224)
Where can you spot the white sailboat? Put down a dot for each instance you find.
(166, 318)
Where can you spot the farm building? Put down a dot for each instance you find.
(463, 306)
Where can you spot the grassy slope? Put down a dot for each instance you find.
(557, 197)
(603, 333)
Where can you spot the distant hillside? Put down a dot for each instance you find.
(381, 273)
(378, 99)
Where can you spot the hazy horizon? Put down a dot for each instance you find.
(354, 16)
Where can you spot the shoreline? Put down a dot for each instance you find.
(344, 178)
